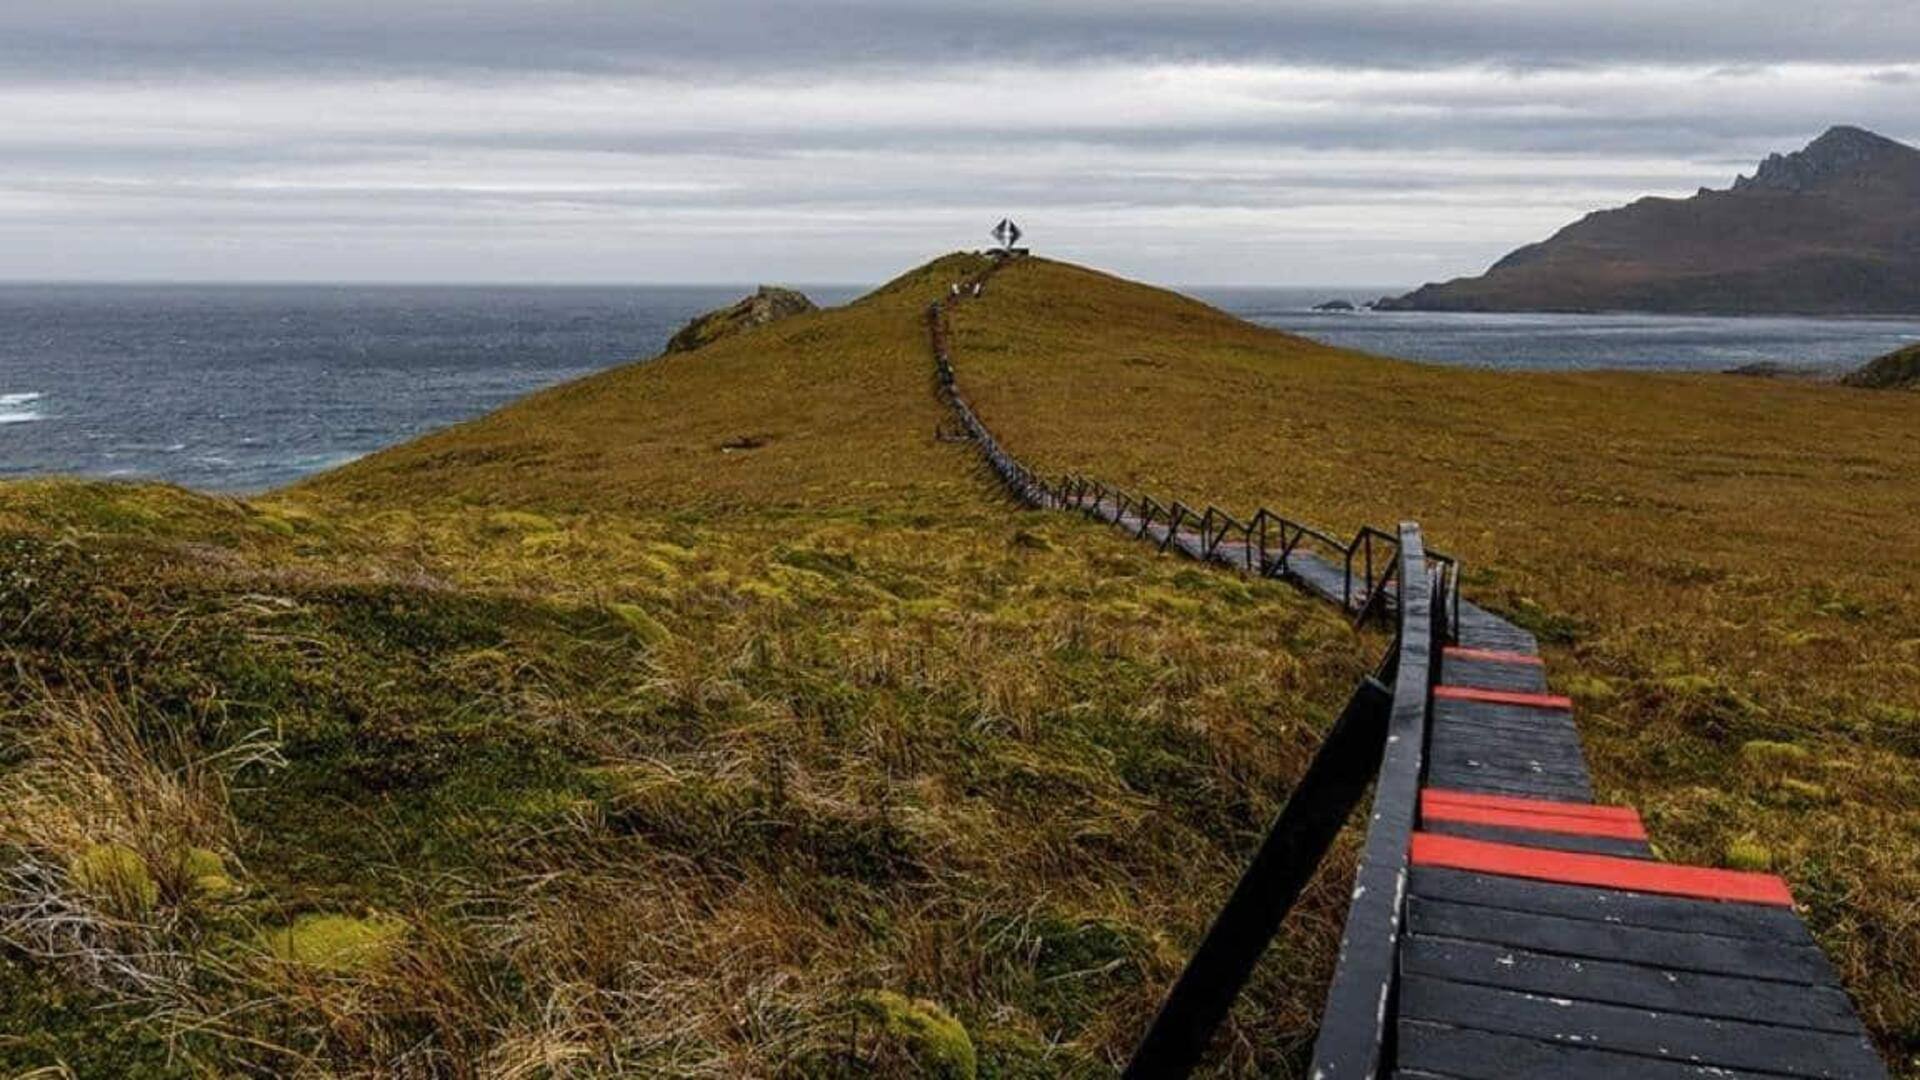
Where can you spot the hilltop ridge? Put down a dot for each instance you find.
(1833, 228)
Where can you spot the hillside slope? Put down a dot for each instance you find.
(1832, 229)
(826, 408)
(1724, 566)
(577, 741)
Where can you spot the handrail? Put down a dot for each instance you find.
(1353, 1025)
(1379, 738)
(1369, 581)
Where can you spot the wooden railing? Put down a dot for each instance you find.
(1353, 1022)
(1380, 738)
(1266, 543)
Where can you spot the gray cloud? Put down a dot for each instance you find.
(589, 139)
(780, 38)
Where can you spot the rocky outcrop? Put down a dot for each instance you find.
(1831, 229)
(769, 304)
(1894, 371)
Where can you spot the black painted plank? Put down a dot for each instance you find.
(1493, 675)
(1540, 742)
(1482, 629)
(1484, 745)
(1548, 724)
(1497, 712)
(1823, 1008)
(1515, 769)
(1538, 788)
(1550, 733)
(1462, 748)
(1540, 783)
(1629, 944)
(1428, 1049)
(1654, 1034)
(1500, 834)
(1760, 922)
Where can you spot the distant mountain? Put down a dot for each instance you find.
(1831, 229)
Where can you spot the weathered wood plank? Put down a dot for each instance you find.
(1758, 922)
(1823, 1008)
(1558, 841)
(1466, 1054)
(1528, 782)
(1458, 671)
(1647, 1032)
(1700, 882)
(1677, 949)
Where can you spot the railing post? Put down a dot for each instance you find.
(1370, 585)
(1346, 589)
(1292, 851)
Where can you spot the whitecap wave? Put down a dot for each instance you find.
(19, 408)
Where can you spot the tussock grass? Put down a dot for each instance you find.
(835, 765)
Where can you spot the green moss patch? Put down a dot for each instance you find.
(337, 942)
(919, 1035)
(115, 876)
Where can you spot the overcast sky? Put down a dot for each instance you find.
(1203, 141)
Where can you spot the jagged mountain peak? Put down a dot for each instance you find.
(1831, 228)
(1841, 151)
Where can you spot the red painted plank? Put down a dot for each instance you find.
(1598, 871)
(1564, 824)
(1542, 806)
(1494, 656)
(1503, 697)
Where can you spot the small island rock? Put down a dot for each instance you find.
(769, 304)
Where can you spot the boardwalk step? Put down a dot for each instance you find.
(1539, 815)
(1647, 1033)
(1503, 697)
(1493, 675)
(1699, 882)
(1616, 907)
(1429, 1050)
(1492, 656)
(1438, 795)
(1681, 950)
(1558, 841)
(1650, 986)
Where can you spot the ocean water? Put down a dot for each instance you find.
(245, 388)
(1570, 342)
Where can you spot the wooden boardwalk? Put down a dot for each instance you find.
(1543, 939)
(1502, 924)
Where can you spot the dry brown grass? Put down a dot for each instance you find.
(678, 794)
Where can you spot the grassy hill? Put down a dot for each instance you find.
(711, 716)
(585, 739)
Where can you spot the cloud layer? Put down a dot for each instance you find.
(1213, 142)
